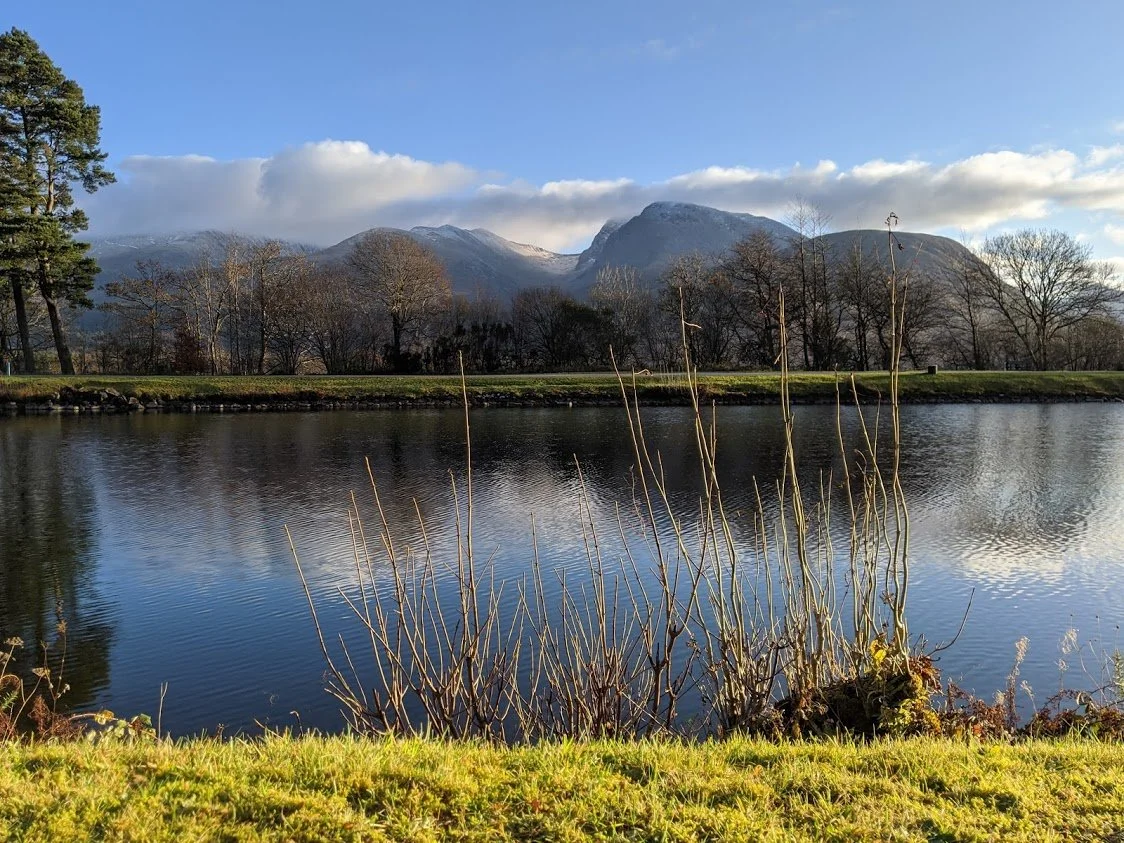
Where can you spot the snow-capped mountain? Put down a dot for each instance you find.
(592, 255)
(480, 260)
(117, 257)
(652, 239)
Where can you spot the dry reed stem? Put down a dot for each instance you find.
(619, 653)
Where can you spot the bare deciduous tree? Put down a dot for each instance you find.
(1042, 282)
(476, 330)
(755, 268)
(553, 331)
(818, 311)
(144, 306)
(405, 279)
(338, 330)
(202, 297)
(968, 317)
(683, 296)
(266, 263)
(1095, 344)
(291, 296)
(628, 306)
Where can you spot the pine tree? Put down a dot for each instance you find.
(49, 140)
(13, 280)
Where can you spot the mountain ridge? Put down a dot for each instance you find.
(478, 259)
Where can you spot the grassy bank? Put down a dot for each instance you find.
(585, 388)
(345, 789)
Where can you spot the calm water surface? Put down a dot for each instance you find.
(160, 537)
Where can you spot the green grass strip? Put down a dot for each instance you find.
(347, 789)
(732, 388)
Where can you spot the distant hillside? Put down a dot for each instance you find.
(920, 254)
(118, 256)
(652, 239)
(592, 256)
(479, 260)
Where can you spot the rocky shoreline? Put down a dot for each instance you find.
(108, 401)
(69, 401)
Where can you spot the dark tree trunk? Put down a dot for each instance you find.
(66, 363)
(862, 355)
(25, 332)
(263, 334)
(261, 348)
(396, 349)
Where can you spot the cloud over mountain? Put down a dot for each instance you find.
(322, 192)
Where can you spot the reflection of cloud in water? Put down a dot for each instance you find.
(998, 492)
(181, 520)
(1026, 493)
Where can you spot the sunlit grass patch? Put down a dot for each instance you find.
(343, 788)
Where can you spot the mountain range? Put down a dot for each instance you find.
(479, 260)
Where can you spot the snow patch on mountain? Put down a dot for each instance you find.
(549, 261)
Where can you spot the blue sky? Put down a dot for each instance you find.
(539, 120)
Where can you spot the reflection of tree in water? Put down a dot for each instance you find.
(186, 499)
(46, 549)
(994, 472)
(1026, 479)
(242, 471)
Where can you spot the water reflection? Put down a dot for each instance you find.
(163, 534)
(47, 553)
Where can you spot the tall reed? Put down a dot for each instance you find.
(677, 627)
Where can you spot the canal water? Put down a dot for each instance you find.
(159, 538)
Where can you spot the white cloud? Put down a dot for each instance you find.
(1115, 233)
(354, 177)
(323, 192)
(313, 192)
(179, 193)
(879, 170)
(578, 189)
(716, 177)
(1100, 155)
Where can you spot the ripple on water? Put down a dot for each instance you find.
(164, 536)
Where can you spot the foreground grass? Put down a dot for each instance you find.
(733, 388)
(347, 789)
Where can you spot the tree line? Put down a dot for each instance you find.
(1030, 299)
